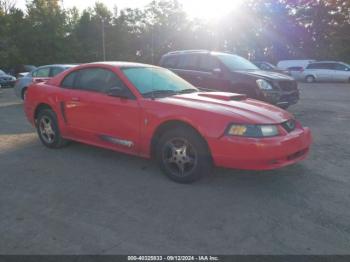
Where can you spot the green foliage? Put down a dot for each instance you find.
(46, 33)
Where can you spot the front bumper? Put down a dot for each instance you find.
(7, 84)
(263, 153)
(282, 98)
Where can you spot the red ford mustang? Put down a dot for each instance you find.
(149, 111)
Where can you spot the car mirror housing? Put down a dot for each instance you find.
(118, 92)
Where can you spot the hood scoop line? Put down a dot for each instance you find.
(223, 96)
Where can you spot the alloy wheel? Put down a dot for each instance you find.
(179, 157)
(46, 130)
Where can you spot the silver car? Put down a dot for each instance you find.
(41, 74)
(331, 71)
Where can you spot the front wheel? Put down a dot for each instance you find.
(310, 79)
(183, 155)
(48, 131)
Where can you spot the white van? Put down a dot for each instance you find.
(286, 64)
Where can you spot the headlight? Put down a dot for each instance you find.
(263, 84)
(252, 130)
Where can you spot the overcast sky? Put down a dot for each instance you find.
(195, 8)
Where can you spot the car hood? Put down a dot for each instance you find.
(6, 77)
(235, 106)
(266, 75)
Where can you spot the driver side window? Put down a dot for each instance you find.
(340, 67)
(97, 80)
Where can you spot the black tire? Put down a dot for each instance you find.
(183, 155)
(48, 130)
(310, 79)
(24, 92)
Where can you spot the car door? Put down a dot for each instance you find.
(186, 68)
(93, 116)
(324, 72)
(212, 74)
(341, 72)
(41, 75)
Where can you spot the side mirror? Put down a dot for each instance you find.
(118, 92)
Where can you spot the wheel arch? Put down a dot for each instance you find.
(40, 107)
(163, 127)
(312, 75)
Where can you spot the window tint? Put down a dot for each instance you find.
(43, 72)
(189, 62)
(97, 80)
(56, 71)
(320, 66)
(235, 62)
(340, 67)
(69, 80)
(208, 63)
(170, 61)
(264, 66)
(148, 79)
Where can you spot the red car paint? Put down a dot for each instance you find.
(86, 116)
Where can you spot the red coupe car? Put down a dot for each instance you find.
(151, 112)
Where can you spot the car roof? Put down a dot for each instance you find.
(121, 64)
(319, 62)
(195, 51)
(58, 65)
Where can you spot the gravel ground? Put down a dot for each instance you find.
(86, 200)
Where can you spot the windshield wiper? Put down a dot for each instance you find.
(159, 92)
(187, 91)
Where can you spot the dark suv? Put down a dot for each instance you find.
(232, 73)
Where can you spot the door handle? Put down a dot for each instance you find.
(75, 99)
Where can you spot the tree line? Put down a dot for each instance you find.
(46, 33)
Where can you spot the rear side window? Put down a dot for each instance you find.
(170, 62)
(69, 80)
(320, 66)
(208, 63)
(97, 80)
(189, 62)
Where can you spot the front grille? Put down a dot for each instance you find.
(289, 125)
(288, 85)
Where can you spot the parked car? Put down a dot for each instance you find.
(41, 74)
(285, 64)
(149, 111)
(6, 80)
(296, 72)
(20, 70)
(327, 71)
(266, 66)
(232, 73)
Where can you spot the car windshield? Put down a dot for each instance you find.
(2, 73)
(151, 81)
(235, 62)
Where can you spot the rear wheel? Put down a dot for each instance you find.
(183, 155)
(48, 131)
(309, 79)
